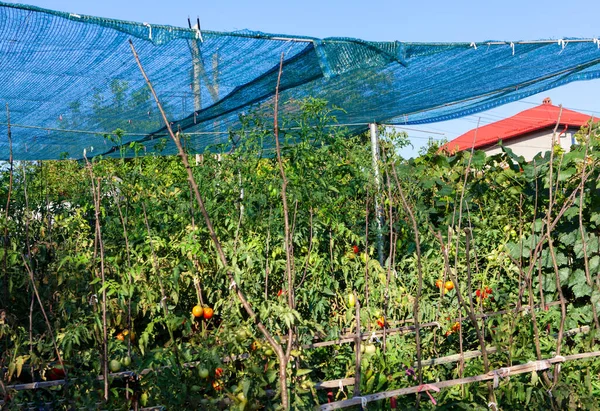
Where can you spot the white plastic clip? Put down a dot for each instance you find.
(149, 29)
(93, 299)
(163, 299)
(474, 45)
(341, 386)
(512, 46)
(374, 338)
(493, 404)
(363, 402)
(84, 152)
(562, 43)
(596, 42)
(198, 34)
(233, 284)
(77, 16)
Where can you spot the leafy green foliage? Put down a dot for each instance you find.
(504, 203)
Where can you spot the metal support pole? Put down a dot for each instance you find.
(378, 209)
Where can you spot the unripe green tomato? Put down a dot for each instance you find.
(351, 300)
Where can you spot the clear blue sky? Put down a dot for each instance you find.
(434, 20)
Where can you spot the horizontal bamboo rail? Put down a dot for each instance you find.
(492, 375)
(342, 340)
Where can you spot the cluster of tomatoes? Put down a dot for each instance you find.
(455, 327)
(484, 293)
(202, 312)
(126, 334)
(447, 286)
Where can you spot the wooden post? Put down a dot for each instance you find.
(378, 211)
(357, 343)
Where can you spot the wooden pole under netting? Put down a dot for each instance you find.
(374, 133)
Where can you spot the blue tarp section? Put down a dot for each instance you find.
(70, 79)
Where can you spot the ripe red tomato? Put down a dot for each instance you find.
(218, 372)
(280, 293)
(217, 385)
(381, 322)
(393, 403)
(355, 249)
(478, 293)
(56, 373)
(488, 290)
(439, 283)
(208, 313)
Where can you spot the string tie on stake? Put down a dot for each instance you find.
(501, 373)
(77, 16)
(233, 284)
(493, 404)
(374, 338)
(512, 46)
(473, 45)
(363, 402)
(596, 42)
(426, 388)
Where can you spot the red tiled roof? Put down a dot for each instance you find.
(527, 121)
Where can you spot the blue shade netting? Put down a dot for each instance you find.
(70, 79)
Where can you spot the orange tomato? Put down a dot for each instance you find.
(208, 313)
(449, 285)
(120, 337)
(381, 322)
(217, 385)
(439, 283)
(456, 326)
(197, 311)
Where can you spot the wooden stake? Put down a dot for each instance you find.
(357, 343)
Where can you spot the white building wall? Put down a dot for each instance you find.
(530, 144)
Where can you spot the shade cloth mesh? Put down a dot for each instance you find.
(70, 79)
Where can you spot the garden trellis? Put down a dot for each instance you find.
(79, 86)
(69, 79)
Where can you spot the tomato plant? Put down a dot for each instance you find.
(483, 229)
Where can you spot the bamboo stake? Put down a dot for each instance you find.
(415, 227)
(357, 343)
(37, 295)
(7, 210)
(96, 197)
(489, 376)
(213, 235)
